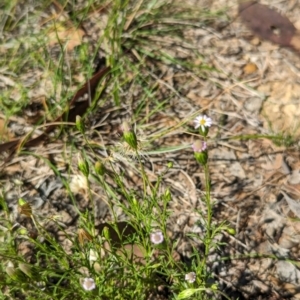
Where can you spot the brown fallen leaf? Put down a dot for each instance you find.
(9, 145)
(63, 32)
(267, 23)
(77, 108)
(89, 88)
(72, 37)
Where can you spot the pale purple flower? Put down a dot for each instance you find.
(88, 283)
(199, 146)
(190, 277)
(156, 237)
(202, 121)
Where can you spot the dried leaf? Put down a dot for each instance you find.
(9, 145)
(83, 236)
(267, 23)
(71, 36)
(88, 88)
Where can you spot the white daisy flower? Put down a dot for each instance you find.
(202, 121)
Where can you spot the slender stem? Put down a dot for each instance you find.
(208, 235)
(144, 176)
(209, 210)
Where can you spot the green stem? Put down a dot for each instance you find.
(209, 233)
(209, 210)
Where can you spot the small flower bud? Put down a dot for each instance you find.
(100, 168)
(11, 272)
(24, 208)
(168, 195)
(83, 166)
(14, 273)
(203, 132)
(21, 202)
(231, 231)
(22, 231)
(129, 136)
(170, 164)
(134, 201)
(79, 124)
(82, 52)
(106, 233)
(201, 157)
(93, 256)
(26, 269)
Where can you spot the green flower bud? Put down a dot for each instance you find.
(83, 50)
(201, 157)
(22, 231)
(15, 274)
(100, 168)
(26, 269)
(231, 231)
(168, 195)
(106, 233)
(170, 164)
(21, 202)
(24, 208)
(84, 167)
(129, 136)
(79, 124)
(134, 201)
(203, 131)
